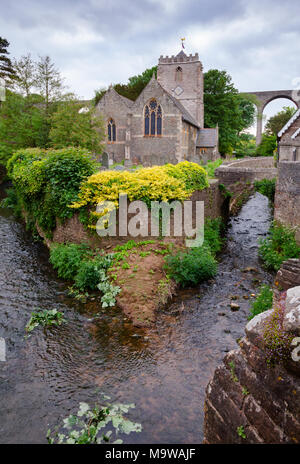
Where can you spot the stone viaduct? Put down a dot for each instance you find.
(263, 98)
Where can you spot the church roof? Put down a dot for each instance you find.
(295, 134)
(207, 138)
(181, 55)
(126, 100)
(186, 116)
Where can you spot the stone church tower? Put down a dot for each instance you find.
(182, 77)
(165, 124)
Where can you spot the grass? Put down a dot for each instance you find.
(263, 302)
(279, 246)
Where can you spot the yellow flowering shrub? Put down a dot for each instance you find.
(193, 175)
(157, 183)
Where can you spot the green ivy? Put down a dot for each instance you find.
(46, 182)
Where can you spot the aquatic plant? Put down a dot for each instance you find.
(100, 424)
(46, 318)
(109, 292)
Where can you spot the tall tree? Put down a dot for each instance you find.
(48, 80)
(23, 124)
(136, 84)
(276, 122)
(224, 106)
(267, 146)
(25, 69)
(74, 126)
(6, 69)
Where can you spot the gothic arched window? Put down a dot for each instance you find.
(153, 119)
(111, 130)
(178, 74)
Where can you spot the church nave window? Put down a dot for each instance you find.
(153, 119)
(111, 130)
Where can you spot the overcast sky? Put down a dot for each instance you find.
(98, 42)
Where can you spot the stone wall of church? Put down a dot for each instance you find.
(156, 150)
(111, 106)
(190, 81)
(178, 139)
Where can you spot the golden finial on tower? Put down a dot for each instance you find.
(182, 42)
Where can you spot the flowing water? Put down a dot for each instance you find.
(163, 370)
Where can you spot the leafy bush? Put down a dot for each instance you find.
(266, 187)
(45, 318)
(47, 181)
(267, 146)
(68, 259)
(212, 234)
(12, 202)
(263, 301)
(278, 247)
(87, 277)
(145, 184)
(95, 425)
(193, 175)
(158, 183)
(91, 272)
(225, 192)
(191, 267)
(76, 263)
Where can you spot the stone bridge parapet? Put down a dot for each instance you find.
(246, 170)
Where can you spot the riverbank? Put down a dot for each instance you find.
(163, 369)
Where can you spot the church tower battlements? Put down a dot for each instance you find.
(182, 77)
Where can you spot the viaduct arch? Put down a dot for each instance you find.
(263, 98)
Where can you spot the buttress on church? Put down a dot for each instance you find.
(165, 124)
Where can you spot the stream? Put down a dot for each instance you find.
(163, 370)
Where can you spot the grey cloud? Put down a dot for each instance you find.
(136, 32)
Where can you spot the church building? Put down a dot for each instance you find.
(165, 124)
